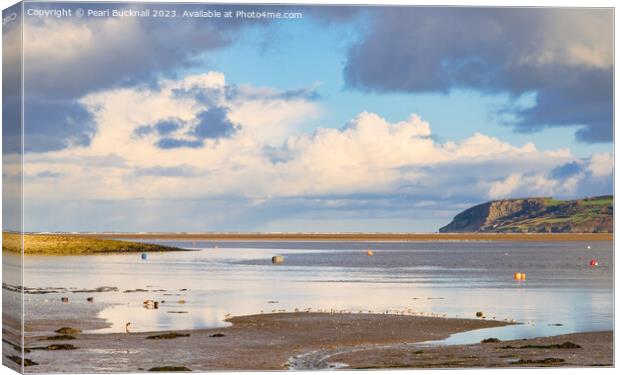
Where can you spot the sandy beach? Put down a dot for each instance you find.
(301, 341)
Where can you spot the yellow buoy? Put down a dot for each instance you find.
(369, 253)
(518, 276)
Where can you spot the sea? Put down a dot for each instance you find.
(213, 280)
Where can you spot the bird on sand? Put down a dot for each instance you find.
(127, 327)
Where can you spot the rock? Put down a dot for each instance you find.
(490, 340)
(60, 347)
(218, 335)
(90, 299)
(68, 331)
(55, 347)
(18, 360)
(167, 336)
(170, 368)
(545, 361)
(277, 259)
(479, 314)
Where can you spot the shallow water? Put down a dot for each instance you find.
(562, 293)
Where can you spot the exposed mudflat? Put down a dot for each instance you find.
(255, 342)
(573, 350)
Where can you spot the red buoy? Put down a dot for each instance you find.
(593, 263)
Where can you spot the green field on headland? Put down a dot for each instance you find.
(56, 244)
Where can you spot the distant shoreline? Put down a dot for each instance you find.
(351, 237)
(110, 243)
(61, 244)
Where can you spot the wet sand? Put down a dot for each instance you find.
(384, 237)
(304, 341)
(573, 350)
(255, 342)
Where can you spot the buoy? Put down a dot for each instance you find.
(90, 299)
(518, 276)
(65, 299)
(593, 263)
(277, 259)
(369, 253)
(522, 275)
(143, 256)
(589, 247)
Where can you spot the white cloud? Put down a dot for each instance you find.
(270, 156)
(601, 164)
(505, 187)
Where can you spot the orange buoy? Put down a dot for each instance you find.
(369, 253)
(593, 263)
(518, 276)
(522, 275)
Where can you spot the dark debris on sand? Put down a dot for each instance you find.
(68, 331)
(170, 368)
(564, 345)
(18, 360)
(166, 336)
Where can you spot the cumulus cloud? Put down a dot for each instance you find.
(68, 58)
(368, 155)
(601, 164)
(369, 164)
(581, 177)
(564, 56)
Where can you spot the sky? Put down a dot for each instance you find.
(378, 119)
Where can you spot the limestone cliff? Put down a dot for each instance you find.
(589, 215)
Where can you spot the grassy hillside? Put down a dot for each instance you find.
(56, 244)
(537, 215)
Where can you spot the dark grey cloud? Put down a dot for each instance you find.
(69, 58)
(213, 123)
(55, 125)
(566, 170)
(169, 143)
(119, 51)
(163, 127)
(563, 55)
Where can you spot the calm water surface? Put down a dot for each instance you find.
(562, 293)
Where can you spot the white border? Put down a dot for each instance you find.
(486, 3)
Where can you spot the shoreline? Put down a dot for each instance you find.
(117, 243)
(281, 341)
(61, 244)
(353, 237)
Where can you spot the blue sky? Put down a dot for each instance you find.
(299, 54)
(350, 119)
